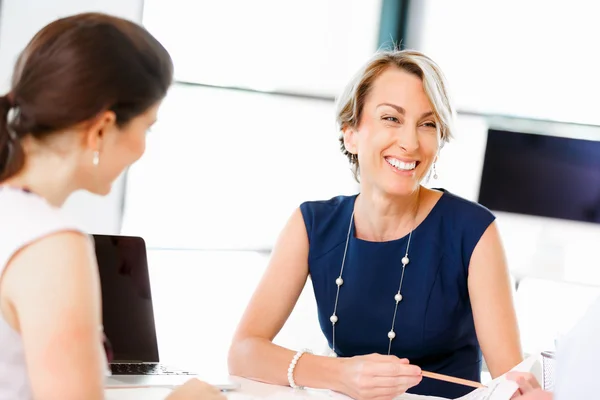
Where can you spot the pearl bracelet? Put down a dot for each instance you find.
(293, 366)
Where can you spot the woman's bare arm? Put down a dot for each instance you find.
(492, 304)
(50, 295)
(252, 353)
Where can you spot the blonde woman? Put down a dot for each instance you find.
(406, 278)
(85, 90)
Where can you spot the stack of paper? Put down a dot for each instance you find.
(498, 389)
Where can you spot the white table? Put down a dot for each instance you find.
(250, 390)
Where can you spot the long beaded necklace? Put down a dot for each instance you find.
(397, 297)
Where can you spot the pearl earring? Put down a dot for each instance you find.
(96, 159)
(435, 175)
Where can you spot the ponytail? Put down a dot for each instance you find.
(12, 157)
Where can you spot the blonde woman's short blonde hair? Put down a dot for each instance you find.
(350, 104)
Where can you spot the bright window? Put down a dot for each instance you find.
(531, 58)
(307, 47)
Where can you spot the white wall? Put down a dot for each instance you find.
(19, 21)
(225, 169)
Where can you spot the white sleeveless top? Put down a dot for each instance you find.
(24, 218)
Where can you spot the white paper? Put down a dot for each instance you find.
(498, 389)
(495, 391)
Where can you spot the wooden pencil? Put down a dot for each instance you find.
(452, 379)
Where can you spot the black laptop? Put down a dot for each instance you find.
(128, 317)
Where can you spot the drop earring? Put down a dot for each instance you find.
(96, 159)
(435, 175)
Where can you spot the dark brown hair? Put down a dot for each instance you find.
(74, 69)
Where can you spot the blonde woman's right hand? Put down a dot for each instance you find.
(195, 389)
(377, 376)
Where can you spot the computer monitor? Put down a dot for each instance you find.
(541, 175)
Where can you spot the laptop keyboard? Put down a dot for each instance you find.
(145, 369)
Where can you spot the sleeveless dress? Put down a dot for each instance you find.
(434, 324)
(24, 218)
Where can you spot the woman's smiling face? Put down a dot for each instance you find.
(397, 138)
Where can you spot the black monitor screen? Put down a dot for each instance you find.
(541, 175)
(127, 311)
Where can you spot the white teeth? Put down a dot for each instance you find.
(401, 165)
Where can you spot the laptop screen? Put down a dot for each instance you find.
(127, 312)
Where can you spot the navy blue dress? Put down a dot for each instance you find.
(434, 324)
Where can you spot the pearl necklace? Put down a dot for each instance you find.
(397, 297)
